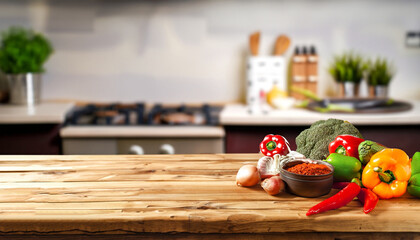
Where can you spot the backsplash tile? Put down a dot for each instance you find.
(194, 51)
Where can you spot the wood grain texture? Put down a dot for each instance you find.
(157, 194)
(211, 236)
(254, 43)
(282, 44)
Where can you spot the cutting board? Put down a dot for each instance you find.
(363, 105)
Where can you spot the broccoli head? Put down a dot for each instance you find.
(313, 142)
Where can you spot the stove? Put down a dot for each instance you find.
(139, 128)
(136, 114)
(106, 114)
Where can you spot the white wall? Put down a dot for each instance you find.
(194, 51)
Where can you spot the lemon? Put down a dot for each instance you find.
(275, 93)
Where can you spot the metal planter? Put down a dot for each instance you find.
(379, 91)
(349, 89)
(25, 89)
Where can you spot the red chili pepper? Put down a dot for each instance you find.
(340, 199)
(368, 198)
(345, 144)
(340, 185)
(274, 144)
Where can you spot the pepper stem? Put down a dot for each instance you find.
(341, 150)
(271, 145)
(357, 181)
(385, 176)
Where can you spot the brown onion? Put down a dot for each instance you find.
(247, 176)
(273, 185)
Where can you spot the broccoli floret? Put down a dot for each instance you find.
(313, 142)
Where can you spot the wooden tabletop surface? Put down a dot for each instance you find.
(168, 193)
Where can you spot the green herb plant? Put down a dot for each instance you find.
(348, 67)
(380, 72)
(23, 51)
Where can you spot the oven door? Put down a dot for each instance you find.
(142, 140)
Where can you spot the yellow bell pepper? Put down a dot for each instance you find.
(387, 173)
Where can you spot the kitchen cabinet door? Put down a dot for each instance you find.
(30, 139)
(246, 139)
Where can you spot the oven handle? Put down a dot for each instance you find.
(136, 149)
(167, 149)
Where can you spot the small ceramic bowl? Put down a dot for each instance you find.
(306, 185)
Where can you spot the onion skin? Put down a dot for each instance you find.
(273, 185)
(248, 176)
(265, 176)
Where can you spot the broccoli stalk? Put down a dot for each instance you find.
(313, 142)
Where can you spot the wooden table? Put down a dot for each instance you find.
(173, 197)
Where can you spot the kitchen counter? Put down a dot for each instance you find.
(188, 196)
(43, 113)
(237, 114)
(32, 129)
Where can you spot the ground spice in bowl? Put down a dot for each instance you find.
(309, 169)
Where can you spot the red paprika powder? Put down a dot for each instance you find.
(309, 169)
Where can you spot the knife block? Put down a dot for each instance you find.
(262, 74)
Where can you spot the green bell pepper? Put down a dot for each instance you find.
(415, 164)
(413, 187)
(345, 167)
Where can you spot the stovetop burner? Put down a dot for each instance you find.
(183, 115)
(136, 114)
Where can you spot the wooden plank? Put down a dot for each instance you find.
(160, 185)
(204, 221)
(242, 236)
(120, 196)
(280, 203)
(86, 197)
(119, 175)
(144, 166)
(135, 158)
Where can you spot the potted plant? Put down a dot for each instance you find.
(22, 56)
(379, 76)
(347, 70)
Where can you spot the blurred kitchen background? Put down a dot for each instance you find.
(192, 57)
